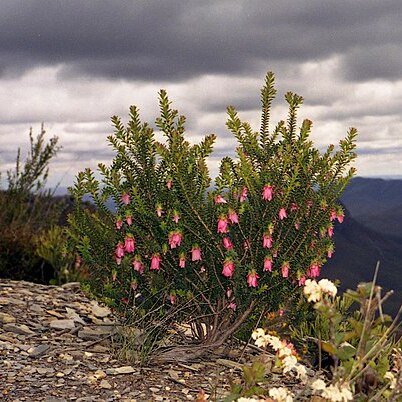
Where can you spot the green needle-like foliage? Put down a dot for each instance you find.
(177, 251)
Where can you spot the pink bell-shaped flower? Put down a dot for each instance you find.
(196, 253)
(243, 194)
(268, 263)
(294, 207)
(119, 223)
(182, 260)
(314, 270)
(285, 269)
(332, 215)
(266, 240)
(282, 214)
(172, 298)
(232, 216)
(155, 262)
(119, 252)
(125, 198)
(175, 239)
(129, 243)
(222, 225)
(159, 210)
(129, 218)
(228, 268)
(267, 193)
(227, 243)
(218, 199)
(252, 279)
(302, 281)
(138, 265)
(176, 217)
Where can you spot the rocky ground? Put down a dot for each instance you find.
(55, 345)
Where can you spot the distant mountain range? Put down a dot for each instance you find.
(376, 203)
(371, 232)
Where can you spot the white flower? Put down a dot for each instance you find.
(346, 393)
(281, 394)
(284, 351)
(391, 378)
(301, 372)
(262, 341)
(312, 291)
(327, 287)
(318, 385)
(337, 393)
(247, 400)
(289, 363)
(275, 342)
(257, 333)
(333, 393)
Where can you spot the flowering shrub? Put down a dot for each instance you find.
(177, 251)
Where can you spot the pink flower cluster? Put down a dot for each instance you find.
(339, 215)
(175, 239)
(127, 247)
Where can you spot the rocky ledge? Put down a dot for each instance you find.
(55, 345)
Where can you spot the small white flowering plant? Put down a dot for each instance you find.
(366, 358)
(361, 343)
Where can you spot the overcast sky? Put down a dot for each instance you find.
(73, 63)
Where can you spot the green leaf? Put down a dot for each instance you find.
(346, 351)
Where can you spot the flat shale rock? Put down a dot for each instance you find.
(6, 318)
(62, 324)
(55, 346)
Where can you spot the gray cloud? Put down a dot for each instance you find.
(73, 64)
(176, 40)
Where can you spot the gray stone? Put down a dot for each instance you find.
(105, 384)
(96, 333)
(36, 308)
(10, 300)
(39, 350)
(120, 370)
(62, 324)
(100, 312)
(71, 285)
(6, 318)
(72, 315)
(20, 329)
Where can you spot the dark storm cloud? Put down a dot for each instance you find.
(175, 40)
(363, 64)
